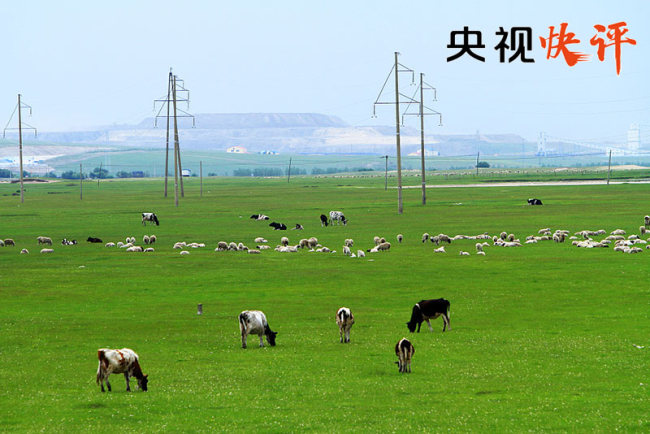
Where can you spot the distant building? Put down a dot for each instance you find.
(634, 137)
(237, 150)
(186, 172)
(427, 153)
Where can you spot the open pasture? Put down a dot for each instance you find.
(543, 337)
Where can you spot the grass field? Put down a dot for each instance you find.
(544, 337)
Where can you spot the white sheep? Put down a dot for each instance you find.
(152, 239)
(24, 251)
(110, 244)
(425, 237)
(482, 253)
(440, 249)
(148, 250)
(346, 251)
(400, 237)
(260, 240)
(479, 247)
(349, 242)
(145, 239)
(284, 241)
(618, 232)
(184, 252)
(462, 253)
(253, 252)
(47, 250)
(44, 240)
(362, 254)
(135, 249)
(221, 246)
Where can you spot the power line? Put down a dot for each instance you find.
(21, 125)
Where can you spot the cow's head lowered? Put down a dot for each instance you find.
(270, 337)
(416, 318)
(142, 382)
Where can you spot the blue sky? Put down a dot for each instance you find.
(83, 64)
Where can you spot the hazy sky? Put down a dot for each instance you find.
(81, 64)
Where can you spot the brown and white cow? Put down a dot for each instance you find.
(124, 361)
(344, 319)
(404, 351)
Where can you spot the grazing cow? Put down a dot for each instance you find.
(534, 202)
(404, 350)
(149, 217)
(259, 217)
(94, 240)
(254, 322)
(429, 309)
(278, 226)
(338, 217)
(323, 220)
(344, 319)
(117, 362)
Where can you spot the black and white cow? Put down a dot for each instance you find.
(534, 202)
(323, 220)
(124, 361)
(404, 350)
(425, 310)
(254, 322)
(149, 217)
(345, 320)
(259, 217)
(338, 217)
(278, 226)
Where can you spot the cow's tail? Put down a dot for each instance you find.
(242, 321)
(102, 363)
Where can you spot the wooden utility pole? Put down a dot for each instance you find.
(169, 84)
(81, 185)
(478, 153)
(100, 173)
(397, 137)
(176, 159)
(424, 183)
(20, 150)
(609, 166)
(289, 172)
(201, 177)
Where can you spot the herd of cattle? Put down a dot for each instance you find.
(253, 322)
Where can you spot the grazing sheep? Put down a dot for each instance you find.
(503, 235)
(303, 243)
(313, 241)
(47, 250)
(541, 231)
(511, 237)
(135, 249)
(425, 237)
(646, 220)
(184, 252)
(178, 246)
(349, 242)
(618, 232)
(383, 246)
(382, 240)
(482, 253)
(145, 239)
(633, 237)
(232, 246)
(440, 249)
(152, 239)
(284, 241)
(253, 252)
(44, 240)
(148, 250)
(221, 246)
(400, 237)
(444, 238)
(642, 229)
(120, 244)
(241, 247)
(461, 253)
(479, 247)
(110, 244)
(263, 247)
(260, 240)
(126, 246)
(24, 251)
(346, 251)
(2, 243)
(362, 254)
(376, 240)
(533, 241)
(9, 242)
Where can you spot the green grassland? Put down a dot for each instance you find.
(544, 337)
